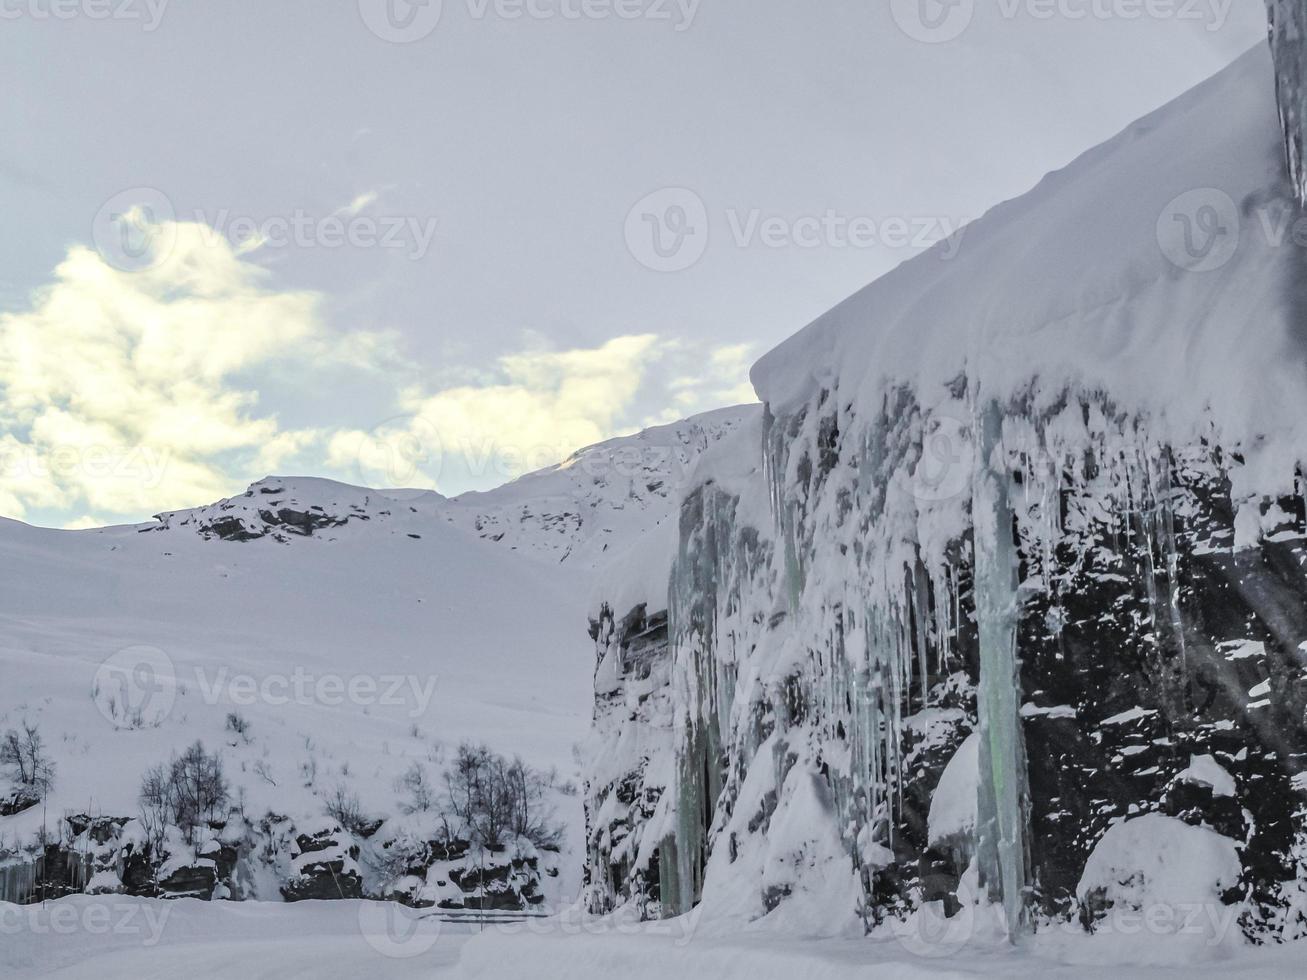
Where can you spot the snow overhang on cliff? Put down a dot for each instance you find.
(1159, 270)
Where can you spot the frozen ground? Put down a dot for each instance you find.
(141, 939)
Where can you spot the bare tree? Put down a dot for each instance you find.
(494, 799)
(157, 806)
(23, 752)
(191, 791)
(415, 784)
(343, 806)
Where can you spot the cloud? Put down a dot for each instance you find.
(125, 393)
(118, 391)
(361, 201)
(534, 409)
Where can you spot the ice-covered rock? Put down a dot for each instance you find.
(1035, 492)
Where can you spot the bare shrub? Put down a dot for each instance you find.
(495, 799)
(419, 795)
(189, 792)
(238, 724)
(343, 806)
(22, 752)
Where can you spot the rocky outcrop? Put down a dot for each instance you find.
(1161, 630)
(626, 813)
(273, 509)
(452, 874)
(324, 865)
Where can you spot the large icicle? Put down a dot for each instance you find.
(1288, 31)
(1002, 805)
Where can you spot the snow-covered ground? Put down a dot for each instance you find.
(403, 624)
(84, 937)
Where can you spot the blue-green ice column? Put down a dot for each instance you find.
(1002, 806)
(1288, 29)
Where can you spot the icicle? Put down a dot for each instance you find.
(1288, 34)
(1003, 795)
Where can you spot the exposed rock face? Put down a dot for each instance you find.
(626, 814)
(17, 800)
(1289, 45)
(1162, 643)
(317, 860)
(271, 509)
(1029, 489)
(324, 866)
(454, 875)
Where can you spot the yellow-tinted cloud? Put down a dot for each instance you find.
(116, 390)
(535, 410)
(125, 393)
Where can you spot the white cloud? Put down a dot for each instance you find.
(536, 409)
(361, 201)
(126, 393)
(117, 389)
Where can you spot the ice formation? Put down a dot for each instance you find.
(1289, 45)
(1035, 493)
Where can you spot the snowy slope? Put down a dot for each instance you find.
(401, 594)
(587, 509)
(355, 630)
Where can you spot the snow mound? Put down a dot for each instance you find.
(953, 805)
(1157, 864)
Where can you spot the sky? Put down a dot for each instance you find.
(441, 244)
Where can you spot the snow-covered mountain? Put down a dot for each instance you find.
(602, 497)
(355, 632)
(997, 617)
